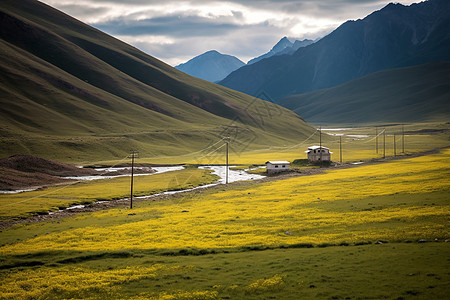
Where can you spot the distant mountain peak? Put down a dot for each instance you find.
(211, 65)
(212, 52)
(284, 46)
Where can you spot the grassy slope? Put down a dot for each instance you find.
(86, 91)
(143, 255)
(411, 94)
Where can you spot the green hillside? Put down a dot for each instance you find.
(73, 93)
(411, 94)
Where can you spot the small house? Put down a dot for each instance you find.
(318, 153)
(277, 166)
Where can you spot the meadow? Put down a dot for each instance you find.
(358, 143)
(372, 231)
(22, 205)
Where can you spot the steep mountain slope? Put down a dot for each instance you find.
(284, 46)
(395, 36)
(212, 66)
(409, 94)
(295, 46)
(73, 93)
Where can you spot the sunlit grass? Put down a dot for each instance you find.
(139, 254)
(76, 282)
(53, 198)
(400, 200)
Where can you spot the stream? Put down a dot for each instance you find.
(233, 176)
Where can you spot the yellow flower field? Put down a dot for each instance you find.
(42, 201)
(367, 203)
(75, 282)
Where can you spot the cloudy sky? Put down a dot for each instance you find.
(177, 30)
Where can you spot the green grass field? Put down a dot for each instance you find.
(361, 147)
(22, 205)
(389, 271)
(374, 231)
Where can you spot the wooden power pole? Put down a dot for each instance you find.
(320, 144)
(133, 155)
(403, 139)
(376, 139)
(395, 147)
(340, 149)
(226, 170)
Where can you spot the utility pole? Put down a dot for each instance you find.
(395, 147)
(403, 139)
(376, 139)
(384, 143)
(340, 148)
(226, 170)
(133, 155)
(320, 144)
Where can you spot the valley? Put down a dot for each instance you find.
(122, 177)
(313, 235)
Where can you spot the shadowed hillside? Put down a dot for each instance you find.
(73, 93)
(395, 36)
(411, 94)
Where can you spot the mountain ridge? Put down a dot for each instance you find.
(284, 46)
(394, 36)
(91, 96)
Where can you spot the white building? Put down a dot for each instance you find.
(277, 166)
(317, 153)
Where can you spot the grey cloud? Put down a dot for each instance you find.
(244, 44)
(192, 34)
(174, 25)
(339, 9)
(82, 11)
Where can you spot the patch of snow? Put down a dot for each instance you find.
(17, 191)
(75, 206)
(159, 170)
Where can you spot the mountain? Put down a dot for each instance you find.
(295, 46)
(284, 46)
(212, 66)
(409, 94)
(72, 93)
(395, 36)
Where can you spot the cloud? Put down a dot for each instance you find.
(173, 25)
(177, 30)
(243, 42)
